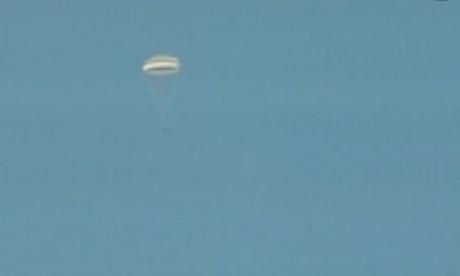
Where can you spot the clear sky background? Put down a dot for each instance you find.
(310, 138)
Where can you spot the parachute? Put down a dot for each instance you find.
(161, 72)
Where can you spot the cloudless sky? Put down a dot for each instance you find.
(309, 138)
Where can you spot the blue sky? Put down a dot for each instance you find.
(310, 138)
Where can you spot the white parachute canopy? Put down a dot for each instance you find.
(161, 72)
